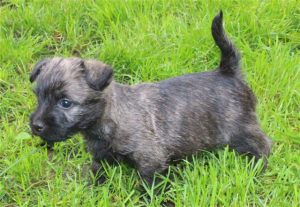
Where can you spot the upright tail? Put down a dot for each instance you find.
(230, 57)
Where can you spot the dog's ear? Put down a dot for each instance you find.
(97, 74)
(37, 69)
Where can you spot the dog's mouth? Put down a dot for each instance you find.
(52, 138)
(55, 139)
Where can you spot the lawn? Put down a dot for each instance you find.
(147, 41)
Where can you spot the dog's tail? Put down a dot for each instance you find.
(230, 57)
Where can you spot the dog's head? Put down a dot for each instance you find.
(70, 96)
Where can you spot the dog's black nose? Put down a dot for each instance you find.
(38, 127)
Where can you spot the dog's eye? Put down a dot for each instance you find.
(65, 103)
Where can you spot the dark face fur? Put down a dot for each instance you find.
(69, 91)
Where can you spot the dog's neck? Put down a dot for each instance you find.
(116, 97)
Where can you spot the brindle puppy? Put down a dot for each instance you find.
(148, 124)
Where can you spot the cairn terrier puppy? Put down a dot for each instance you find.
(148, 124)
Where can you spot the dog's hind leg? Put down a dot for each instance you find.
(252, 143)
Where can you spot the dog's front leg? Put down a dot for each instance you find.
(148, 165)
(101, 152)
(97, 171)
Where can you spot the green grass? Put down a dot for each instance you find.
(150, 41)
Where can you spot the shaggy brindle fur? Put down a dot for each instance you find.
(149, 124)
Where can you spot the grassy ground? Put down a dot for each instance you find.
(150, 41)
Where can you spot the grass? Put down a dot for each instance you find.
(150, 41)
